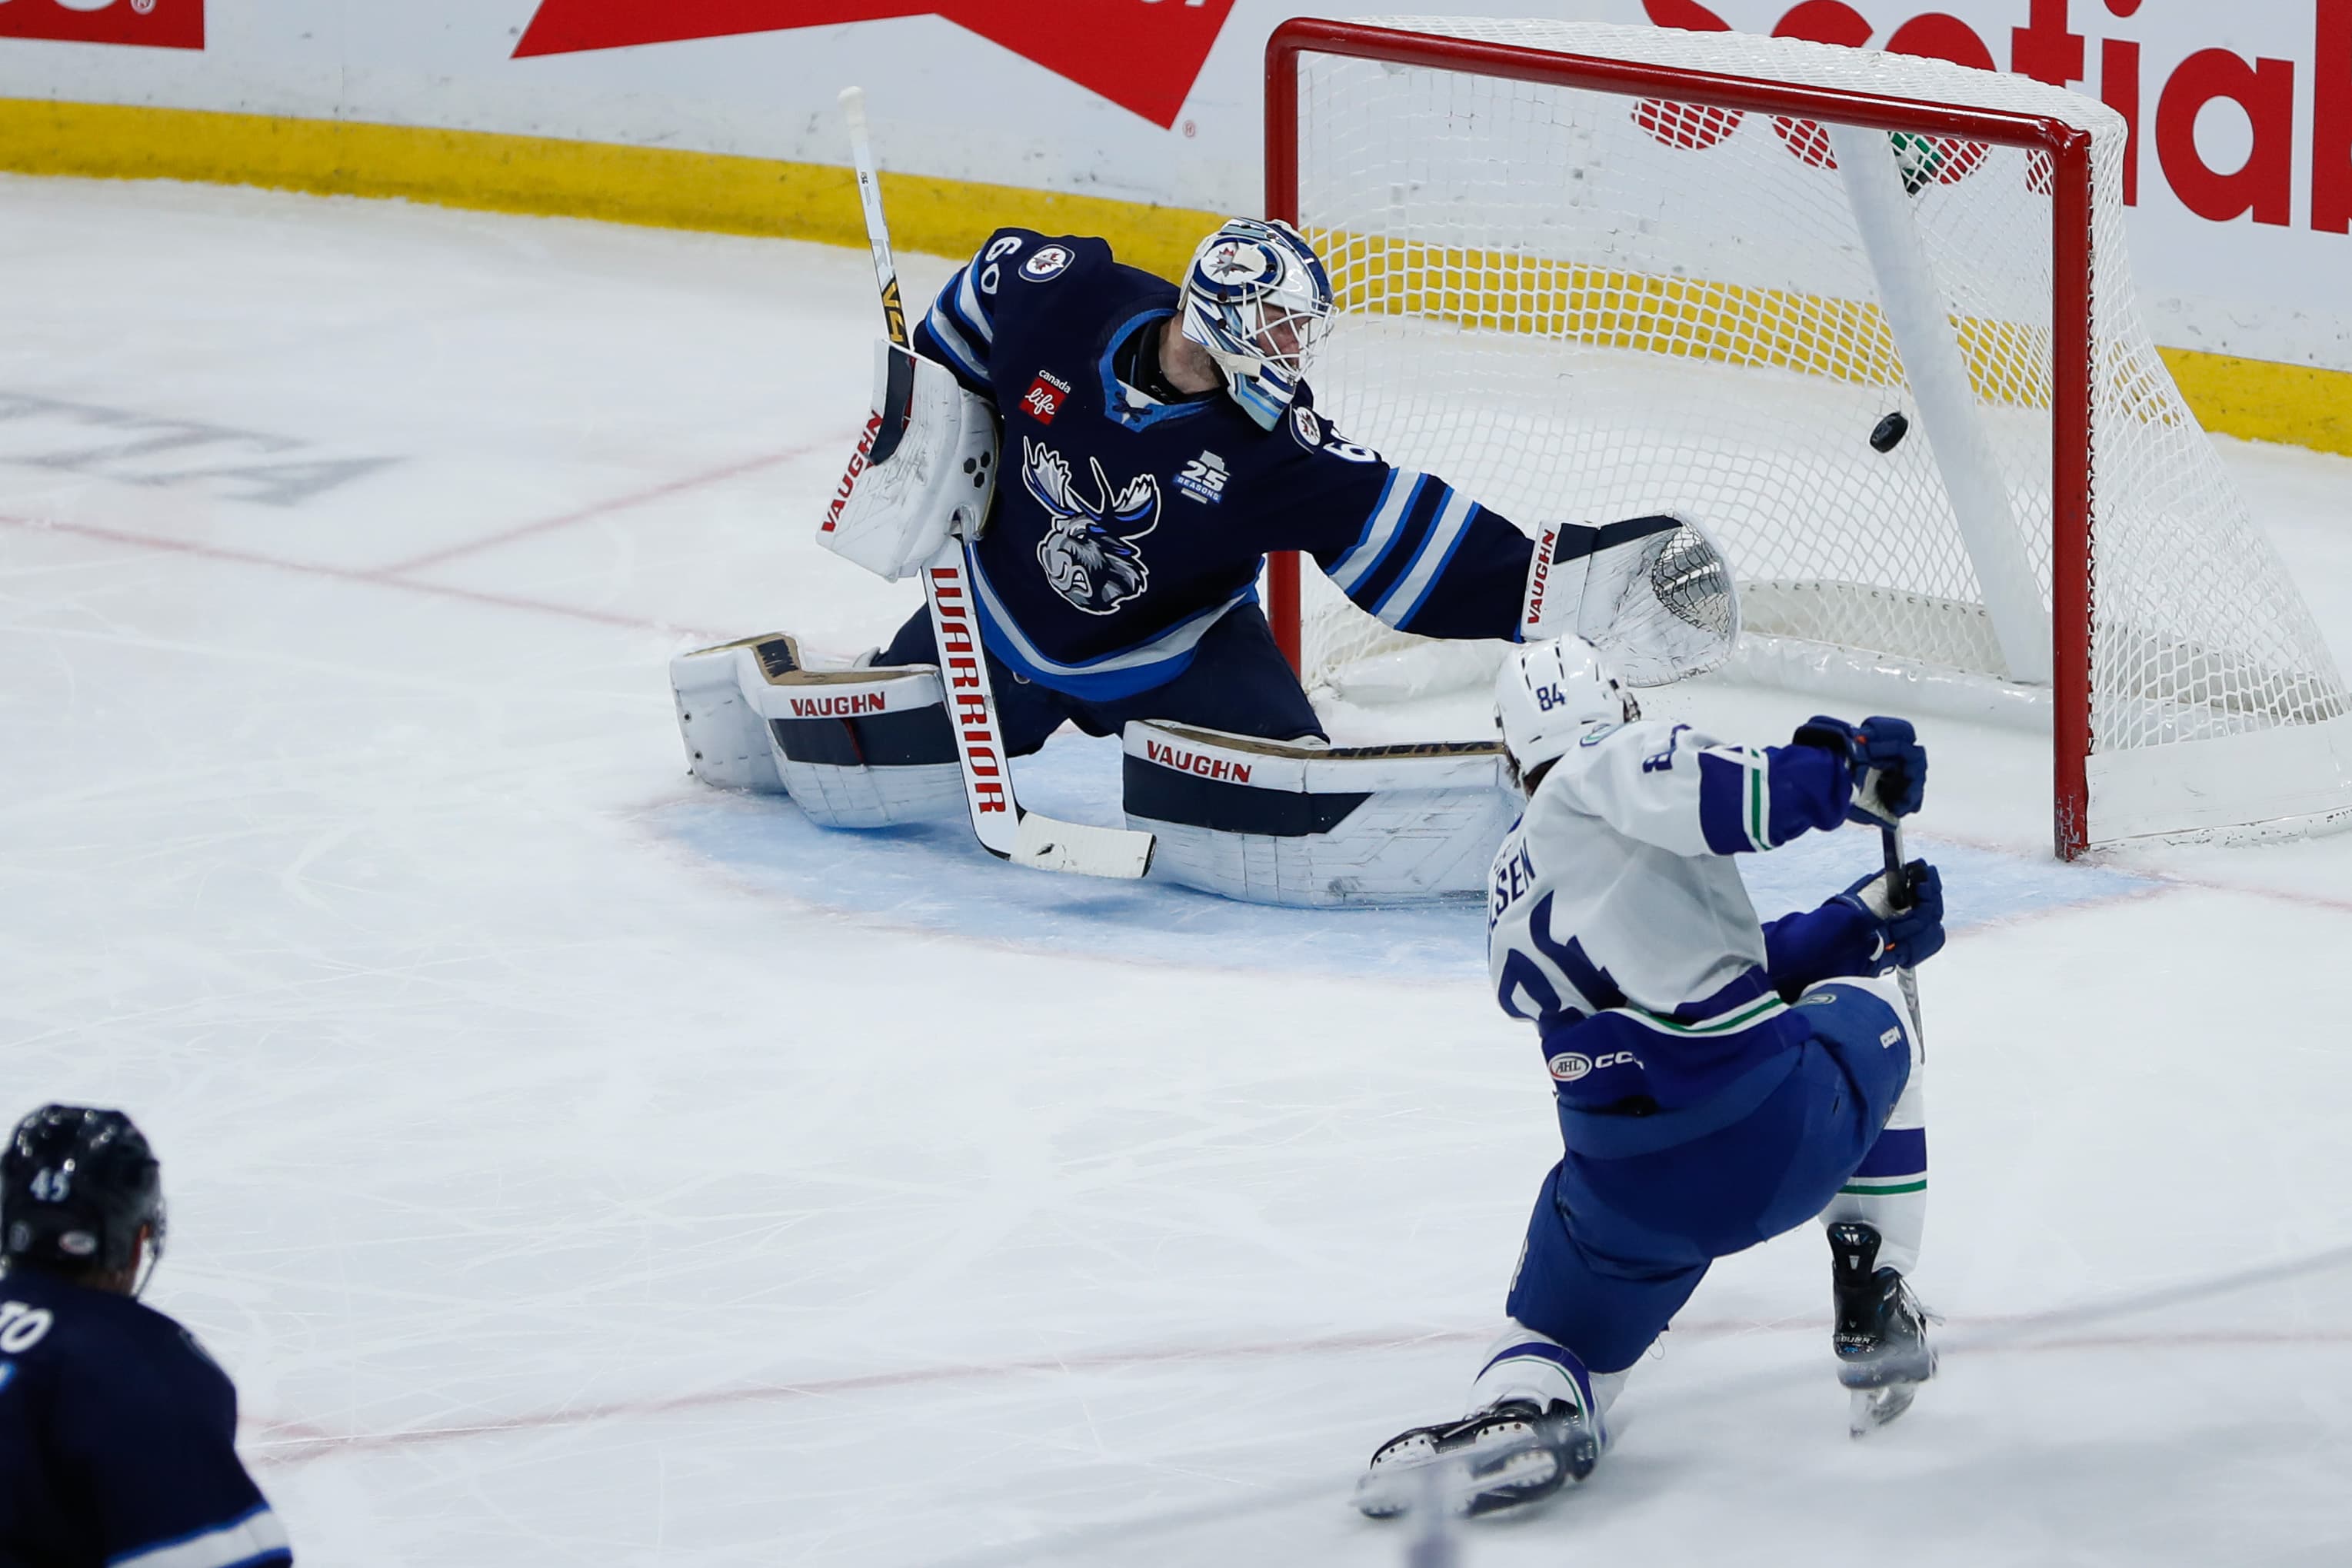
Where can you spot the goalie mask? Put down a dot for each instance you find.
(1547, 695)
(1257, 298)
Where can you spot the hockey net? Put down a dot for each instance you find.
(1589, 272)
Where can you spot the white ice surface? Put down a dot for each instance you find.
(577, 1167)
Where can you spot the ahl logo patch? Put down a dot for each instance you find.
(1204, 478)
(1568, 1066)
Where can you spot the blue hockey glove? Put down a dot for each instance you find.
(1908, 938)
(1889, 765)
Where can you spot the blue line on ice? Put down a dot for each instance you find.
(935, 877)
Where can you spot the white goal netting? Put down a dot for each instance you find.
(1589, 304)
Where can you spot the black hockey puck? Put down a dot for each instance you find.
(1890, 432)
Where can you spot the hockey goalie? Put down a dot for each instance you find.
(1117, 455)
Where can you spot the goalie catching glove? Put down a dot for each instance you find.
(1655, 594)
(925, 468)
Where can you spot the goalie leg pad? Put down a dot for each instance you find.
(856, 748)
(727, 741)
(1302, 824)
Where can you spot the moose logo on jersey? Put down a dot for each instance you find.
(1089, 552)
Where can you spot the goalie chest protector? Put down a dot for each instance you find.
(1126, 525)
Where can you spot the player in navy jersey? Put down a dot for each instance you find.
(1106, 458)
(1158, 443)
(117, 1431)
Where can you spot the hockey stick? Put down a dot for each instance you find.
(1898, 897)
(1003, 829)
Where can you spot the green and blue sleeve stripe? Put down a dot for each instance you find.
(1759, 798)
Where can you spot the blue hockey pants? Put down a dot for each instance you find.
(1639, 1206)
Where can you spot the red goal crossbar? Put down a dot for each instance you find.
(2069, 151)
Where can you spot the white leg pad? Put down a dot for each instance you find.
(856, 748)
(727, 741)
(1269, 821)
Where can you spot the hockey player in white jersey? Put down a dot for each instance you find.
(1719, 1080)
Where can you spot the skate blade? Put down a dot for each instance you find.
(1868, 1409)
(1460, 1485)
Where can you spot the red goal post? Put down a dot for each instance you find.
(2068, 148)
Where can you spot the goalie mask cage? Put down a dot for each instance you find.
(1589, 272)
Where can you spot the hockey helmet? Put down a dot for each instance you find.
(1257, 298)
(76, 1187)
(1548, 694)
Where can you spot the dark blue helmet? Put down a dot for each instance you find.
(77, 1187)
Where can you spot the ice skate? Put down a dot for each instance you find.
(1881, 1338)
(1505, 1456)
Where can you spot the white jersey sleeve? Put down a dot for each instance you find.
(1670, 786)
(1614, 891)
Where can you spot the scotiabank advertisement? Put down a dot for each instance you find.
(2240, 177)
(152, 24)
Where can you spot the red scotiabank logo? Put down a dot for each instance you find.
(1142, 55)
(2049, 48)
(159, 24)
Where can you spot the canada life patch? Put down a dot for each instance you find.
(1047, 260)
(1044, 399)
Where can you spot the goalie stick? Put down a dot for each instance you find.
(1003, 829)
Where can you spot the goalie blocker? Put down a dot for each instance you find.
(925, 468)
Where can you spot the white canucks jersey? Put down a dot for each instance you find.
(1619, 925)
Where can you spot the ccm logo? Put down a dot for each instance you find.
(1569, 1065)
(848, 706)
(857, 463)
(1194, 763)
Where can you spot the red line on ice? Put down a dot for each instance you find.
(294, 1443)
(617, 504)
(372, 577)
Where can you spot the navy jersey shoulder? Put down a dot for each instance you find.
(118, 1438)
(1128, 522)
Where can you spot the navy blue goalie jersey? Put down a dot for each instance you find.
(118, 1439)
(1127, 523)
